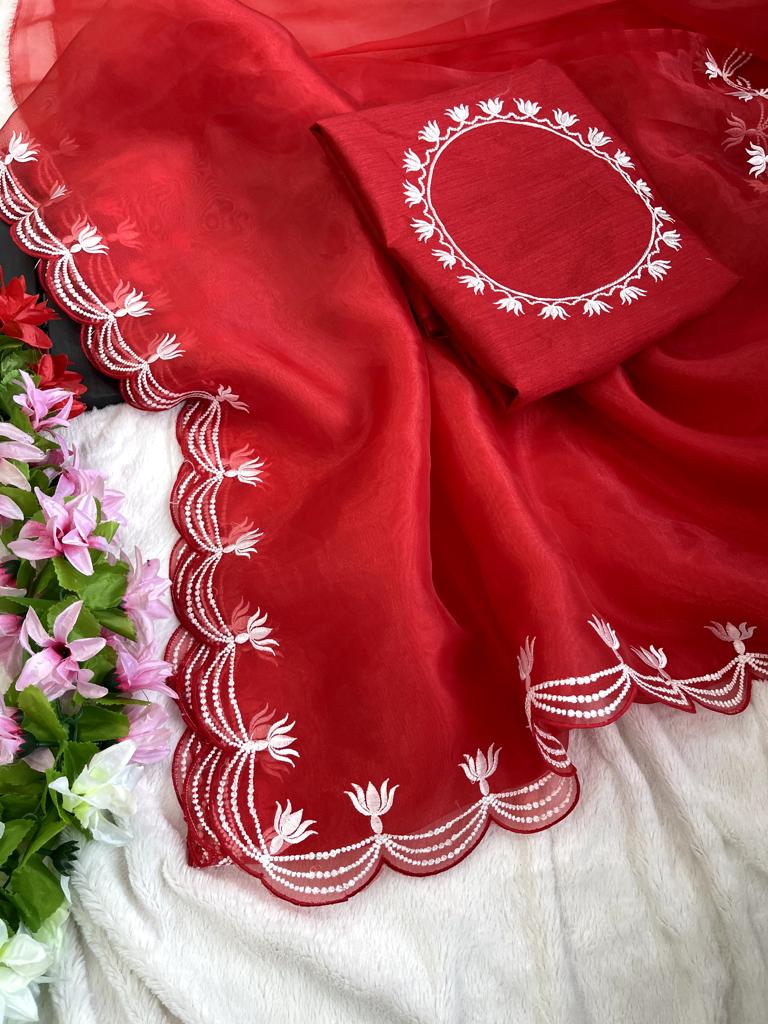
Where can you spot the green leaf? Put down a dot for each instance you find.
(101, 664)
(15, 831)
(99, 723)
(104, 589)
(86, 625)
(48, 829)
(19, 605)
(76, 757)
(117, 621)
(40, 717)
(35, 891)
(21, 790)
(107, 529)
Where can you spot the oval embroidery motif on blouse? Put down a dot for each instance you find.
(418, 193)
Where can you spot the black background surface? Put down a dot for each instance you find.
(64, 333)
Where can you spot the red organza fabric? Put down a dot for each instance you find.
(392, 486)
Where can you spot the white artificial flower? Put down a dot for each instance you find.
(101, 796)
(130, 302)
(23, 962)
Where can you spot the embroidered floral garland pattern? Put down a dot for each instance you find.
(215, 770)
(429, 227)
(738, 131)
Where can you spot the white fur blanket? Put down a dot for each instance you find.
(649, 903)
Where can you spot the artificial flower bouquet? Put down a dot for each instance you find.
(78, 669)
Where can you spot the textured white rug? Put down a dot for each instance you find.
(650, 903)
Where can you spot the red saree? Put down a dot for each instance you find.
(424, 533)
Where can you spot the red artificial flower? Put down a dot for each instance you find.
(53, 373)
(22, 314)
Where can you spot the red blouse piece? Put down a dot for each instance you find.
(522, 196)
(398, 594)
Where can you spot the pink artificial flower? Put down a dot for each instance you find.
(47, 408)
(9, 509)
(16, 445)
(149, 731)
(67, 530)
(8, 586)
(56, 667)
(143, 599)
(10, 651)
(79, 483)
(137, 670)
(11, 737)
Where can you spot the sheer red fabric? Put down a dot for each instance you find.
(423, 535)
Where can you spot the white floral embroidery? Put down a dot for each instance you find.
(459, 114)
(272, 737)
(228, 397)
(19, 150)
(257, 633)
(88, 239)
(130, 302)
(528, 108)
(166, 348)
(738, 130)
(481, 767)
(594, 307)
(597, 138)
(758, 159)
(290, 828)
(446, 259)
(417, 194)
(373, 803)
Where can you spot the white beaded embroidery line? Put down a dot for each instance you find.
(418, 192)
(566, 697)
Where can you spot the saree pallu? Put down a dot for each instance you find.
(466, 331)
